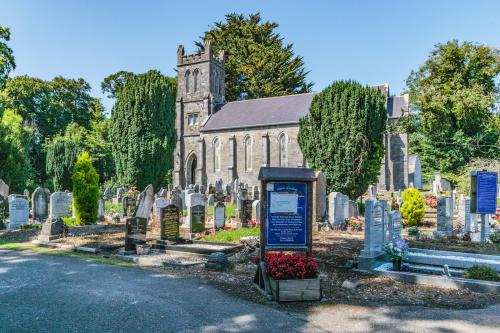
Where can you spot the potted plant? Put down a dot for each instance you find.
(352, 224)
(396, 250)
(293, 277)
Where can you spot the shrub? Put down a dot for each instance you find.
(495, 237)
(85, 190)
(397, 249)
(413, 207)
(481, 273)
(283, 266)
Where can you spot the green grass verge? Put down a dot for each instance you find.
(5, 245)
(108, 205)
(232, 236)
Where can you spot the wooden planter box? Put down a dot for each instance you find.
(295, 290)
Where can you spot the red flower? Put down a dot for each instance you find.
(283, 266)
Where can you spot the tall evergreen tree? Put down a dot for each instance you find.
(85, 190)
(62, 152)
(342, 136)
(258, 63)
(143, 129)
(7, 62)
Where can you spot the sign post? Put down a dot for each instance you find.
(484, 187)
(286, 214)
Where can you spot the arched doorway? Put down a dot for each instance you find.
(191, 170)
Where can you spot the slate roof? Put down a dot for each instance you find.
(260, 112)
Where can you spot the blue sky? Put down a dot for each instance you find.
(368, 41)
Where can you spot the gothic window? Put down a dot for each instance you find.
(193, 119)
(283, 153)
(195, 79)
(187, 79)
(248, 153)
(216, 147)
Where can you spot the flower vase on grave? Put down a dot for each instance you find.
(396, 264)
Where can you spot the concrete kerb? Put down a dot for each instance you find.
(66, 247)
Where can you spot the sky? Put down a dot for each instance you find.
(368, 41)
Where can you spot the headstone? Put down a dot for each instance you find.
(464, 215)
(185, 197)
(135, 232)
(169, 222)
(19, 210)
(353, 209)
(475, 224)
(163, 192)
(203, 189)
(160, 202)
(256, 211)
(52, 229)
(395, 225)
(319, 199)
(338, 208)
(242, 195)
(255, 192)
(12, 196)
(129, 206)
(176, 199)
(246, 213)
(485, 227)
(228, 190)
(26, 193)
(220, 215)
(372, 191)
(60, 204)
(218, 186)
(4, 189)
(40, 205)
(196, 188)
(444, 216)
(120, 192)
(197, 218)
(375, 233)
(101, 209)
(211, 199)
(145, 203)
(211, 188)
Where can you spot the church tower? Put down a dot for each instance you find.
(200, 93)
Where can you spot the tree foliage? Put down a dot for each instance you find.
(15, 142)
(143, 129)
(413, 208)
(454, 93)
(7, 62)
(343, 136)
(258, 63)
(85, 190)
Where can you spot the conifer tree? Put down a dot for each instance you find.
(342, 136)
(85, 190)
(143, 129)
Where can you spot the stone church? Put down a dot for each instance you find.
(232, 140)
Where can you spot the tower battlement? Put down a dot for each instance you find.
(206, 55)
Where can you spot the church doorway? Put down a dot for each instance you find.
(191, 168)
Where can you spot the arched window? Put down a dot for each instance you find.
(195, 79)
(248, 153)
(283, 146)
(216, 146)
(187, 79)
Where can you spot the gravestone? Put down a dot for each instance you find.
(193, 199)
(203, 189)
(26, 194)
(211, 188)
(120, 192)
(52, 229)
(135, 232)
(59, 204)
(101, 209)
(4, 190)
(319, 199)
(176, 198)
(220, 215)
(169, 222)
(375, 234)
(19, 210)
(145, 203)
(338, 208)
(228, 191)
(219, 187)
(353, 209)
(246, 213)
(242, 195)
(197, 218)
(196, 188)
(40, 205)
(211, 200)
(464, 215)
(372, 191)
(160, 203)
(255, 192)
(444, 217)
(129, 206)
(395, 225)
(256, 211)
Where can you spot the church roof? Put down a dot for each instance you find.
(260, 112)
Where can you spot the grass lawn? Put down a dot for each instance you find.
(232, 236)
(108, 205)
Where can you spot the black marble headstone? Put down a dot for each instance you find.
(135, 232)
(129, 206)
(169, 222)
(197, 218)
(246, 213)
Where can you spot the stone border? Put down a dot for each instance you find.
(66, 247)
(439, 281)
(453, 259)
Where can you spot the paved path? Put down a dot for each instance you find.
(64, 294)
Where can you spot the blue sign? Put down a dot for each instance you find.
(487, 187)
(286, 218)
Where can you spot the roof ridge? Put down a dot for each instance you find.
(261, 98)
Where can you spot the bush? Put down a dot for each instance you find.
(413, 207)
(283, 266)
(85, 190)
(481, 273)
(495, 237)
